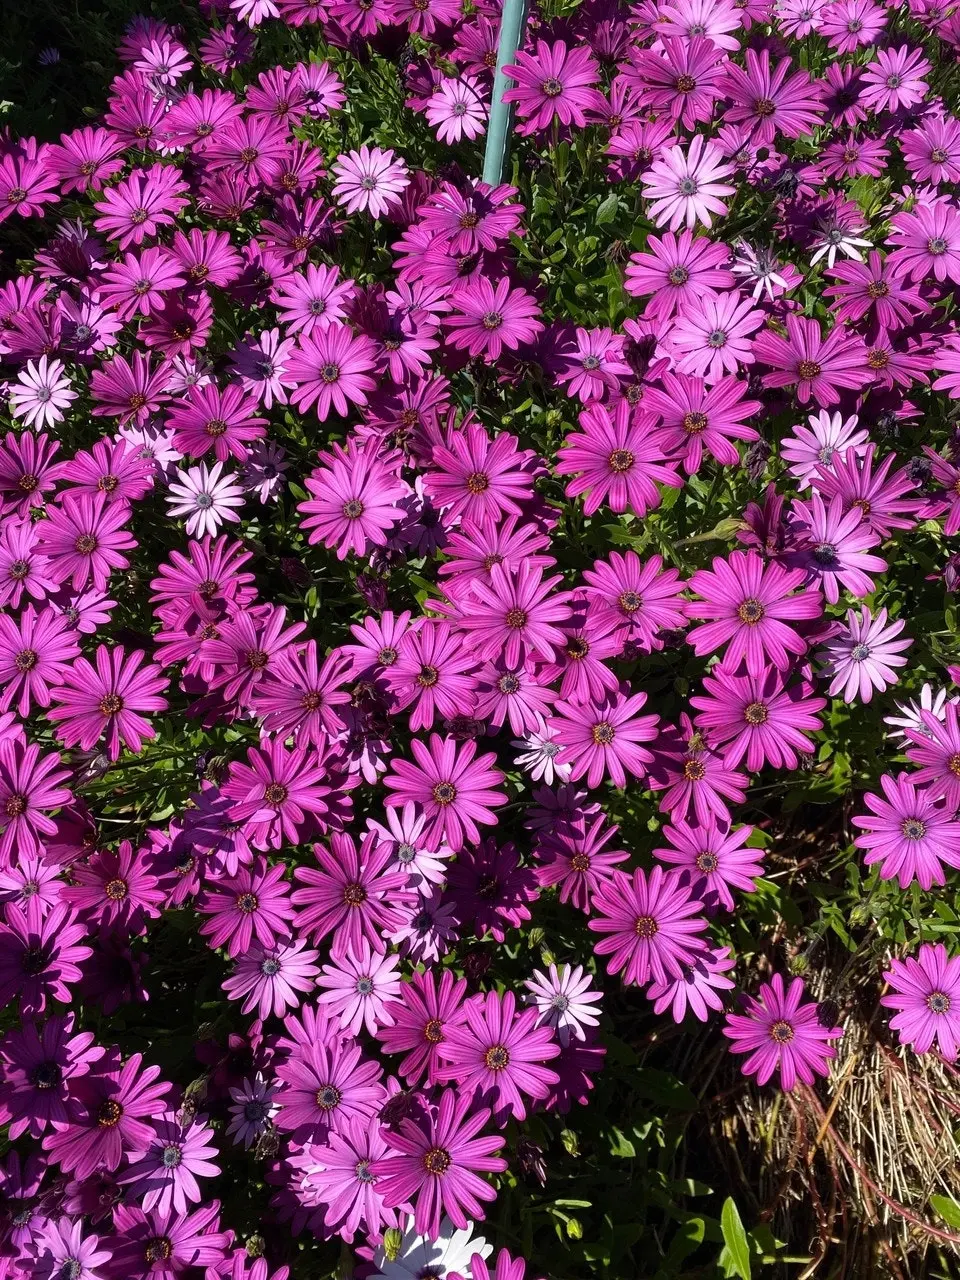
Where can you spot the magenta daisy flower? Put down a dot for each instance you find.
(751, 605)
(498, 1054)
(864, 657)
(911, 832)
(488, 317)
(676, 269)
(518, 615)
(927, 242)
(335, 1181)
(83, 539)
(575, 857)
(354, 502)
(324, 1085)
(116, 889)
(458, 109)
(602, 739)
(554, 83)
(716, 857)
(698, 419)
(925, 989)
(696, 780)
(299, 695)
(479, 479)
(698, 988)
(712, 336)
(116, 1106)
(146, 1245)
(140, 204)
(455, 790)
(268, 979)
(617, 458)
(354, 895)
(330, 370)
(935, 746)
(434, 1161)
(369, 180)
(254, 902)
(766, 101)
(645, 595)
(833, 546)
(41, 1061)
(136, 285)
(28, 472)
(221, 420)
(818, 366)
(433, 675)
(163, 1176)
(652, 925)
(361, 988)
(814, 450)
(423, 1013)
(64, 1249)
(107, 699)
(782, 1033)
(765, 718)
(35, 651)
(40, 957)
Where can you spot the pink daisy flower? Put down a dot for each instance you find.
(686, 187)
(925, 990)
(361, 988)
(455, 789)
(651, 925)
(602, 739)
(488, 317)
(911, 832)
(370, 179)
(554, 83)
(107, 700)
(781, 1033)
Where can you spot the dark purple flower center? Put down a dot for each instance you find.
(577, 648)
(755, 714)
(444, 793)
(172, 1156)
(247, 903)
(694, 423)
(354, 895)
(433, 1031)
(938, 1002)
(808, 369)
(750, 612)
(158, 1249)
(492, 320)
(860, 652)
(330, 373)
(707, 862)
(508, 683)
(497, 1057)
(116, 890)
(353, 509)
(764, 107)
(678, 275)
(516, 619)
(428, 677)
(621, 460)
(603, 733)
(913, 829)
(275, 794)
(109, 1113)
(937, 245)
(551, 88)
(781, 1032)
(46, 1075)
(646, 927)
(437, 1161)
(327, 1097)
(111, 704)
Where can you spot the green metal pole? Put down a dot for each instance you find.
(512, 25)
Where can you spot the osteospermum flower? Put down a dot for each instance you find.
(361, 987)
(865, 656)
(335, 1180)
(617, 457)
(716, 857)
(354, 501)
(833, 546)
(40, 1062)
(518, 616)
(324, 1085)
(685, 186)
(455, 789)
(925, 989)
(819, 367)
(370, 180)
(434, 1163)
(554, 83)
(206, 497)
(651, 925)
(108, 699)
(699, 987)
(330, 370)
(782, 1033)
(751, 605)
(488, 317)
(163, 1176)
(602, 739)
(31, 788)
(816, 448)
(41, 393)
(269, 979)
(564, 999)
(912, 713)
(458, 109)
(764, 719)
(934, 744)
(910, 831)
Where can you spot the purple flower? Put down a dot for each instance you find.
(925, 989)
(361, 987)
(651, 923)
(697, 987)
(864, 658)
(107, 700)
(435, 1162)
(716, 858)
(270, 977)
(454, 789)
(911, 832)
(603, 739)
(324, 1086)
(41, 1063)
(164, 1175)
(782, 1034)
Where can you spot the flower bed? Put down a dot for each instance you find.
(477, 709)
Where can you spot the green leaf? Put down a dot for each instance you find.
(607, 209)
(736, 1254)
(948, 1209)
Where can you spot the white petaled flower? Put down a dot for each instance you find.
(932, 700)
(206, 498)
(419, 1258)
(565, 1000)
(404, 830)
(760, 266)
(833, 240)
(252, 1111)
(41, 393)
(538, 755)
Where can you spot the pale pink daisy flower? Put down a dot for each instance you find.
(828, 438)
(206, 498)
(685, 186)
(564, 1000)
(712, 335)
(863, 656)
(360, 986)
(41, 393)
(457, 109)
(369, 179)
